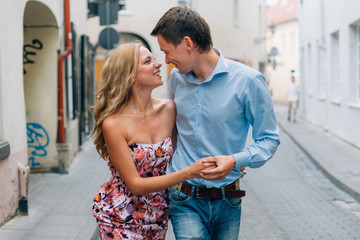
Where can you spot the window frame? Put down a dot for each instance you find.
(185, 3)
(1, 103)
(357, 63)
(335, 66)
(310, 70)
(321, 67)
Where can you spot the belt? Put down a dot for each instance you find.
(230, 191)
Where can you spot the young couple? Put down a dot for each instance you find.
(202, 130)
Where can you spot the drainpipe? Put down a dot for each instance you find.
(23, 172)
(61, 58)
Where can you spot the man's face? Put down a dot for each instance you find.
(176, 55)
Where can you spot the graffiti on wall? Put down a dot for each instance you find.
(38, 140)
(29, 49)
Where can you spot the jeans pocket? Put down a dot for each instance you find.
(176, 196)
(234, 202)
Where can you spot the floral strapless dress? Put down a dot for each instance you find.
(122, 215)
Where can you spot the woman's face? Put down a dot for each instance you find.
(148, 71)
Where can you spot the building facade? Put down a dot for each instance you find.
(330, 65)
(236, 26)
(43, 47)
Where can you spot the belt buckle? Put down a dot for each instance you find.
(197, 193)
(177, 187)
(237, 184)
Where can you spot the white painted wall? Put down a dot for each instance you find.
(12, 103)
(12, 95)
(318, 19)
(12, 90)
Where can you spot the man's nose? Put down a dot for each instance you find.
(167, 61)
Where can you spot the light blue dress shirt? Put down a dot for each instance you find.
(213, 118)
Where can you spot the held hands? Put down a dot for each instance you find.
(200, 165)
(221, 166)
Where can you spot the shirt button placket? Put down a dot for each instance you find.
(199, 113)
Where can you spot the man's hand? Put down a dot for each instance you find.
(243, 171)
(224, 165)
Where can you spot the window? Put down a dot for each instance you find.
(69, 87)
(123, 5)
(357, 63)
(236, 13)
(309, 79)
(304, 81)
(292, 42)
(321, 82)
(284, 43)
(335, 66)
(125, 8)
(1, 104)
(260, 19)
(186, 3)
(354, 50)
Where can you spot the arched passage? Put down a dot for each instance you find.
(41, 40)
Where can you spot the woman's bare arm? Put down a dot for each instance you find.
(122, 160)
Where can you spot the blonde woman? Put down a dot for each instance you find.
(133, 132)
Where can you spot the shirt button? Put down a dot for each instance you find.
(199, 105)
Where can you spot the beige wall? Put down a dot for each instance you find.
(40, 83)
(286, 40)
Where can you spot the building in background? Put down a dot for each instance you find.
(45, 89)
(330, 66)
(282, 46)
(237, 27)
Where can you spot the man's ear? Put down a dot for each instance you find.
(188, 43)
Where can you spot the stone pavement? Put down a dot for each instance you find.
(60, 204)
(337, 159)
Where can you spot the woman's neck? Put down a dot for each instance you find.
(141, 104)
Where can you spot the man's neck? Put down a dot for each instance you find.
(205, 65)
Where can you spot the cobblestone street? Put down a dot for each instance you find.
(289, 198)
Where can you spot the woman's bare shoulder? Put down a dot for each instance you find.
(114, 123)
(168, 104)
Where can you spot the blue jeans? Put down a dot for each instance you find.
(204, 218)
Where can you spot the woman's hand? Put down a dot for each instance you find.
(196, 168)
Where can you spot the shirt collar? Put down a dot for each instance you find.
(221, 67)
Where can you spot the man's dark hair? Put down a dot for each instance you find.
(179, 22)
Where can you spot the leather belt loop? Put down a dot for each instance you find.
(193, 189)
(223, 193)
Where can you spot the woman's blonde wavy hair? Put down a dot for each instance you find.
(114, 89)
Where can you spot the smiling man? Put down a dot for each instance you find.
(217, 100)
